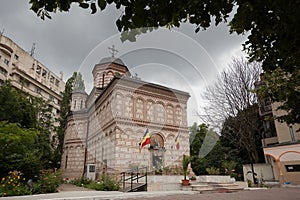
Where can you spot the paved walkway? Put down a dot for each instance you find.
(262, 194)
(71, 187)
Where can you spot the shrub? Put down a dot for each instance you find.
(81, 182)
(106, 183)
(13, 185)
(213, 171)
(48, 182)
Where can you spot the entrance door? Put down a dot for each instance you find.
(157, 159)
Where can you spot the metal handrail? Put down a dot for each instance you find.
(134, 175)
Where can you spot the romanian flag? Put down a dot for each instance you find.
(146, 139)
(177, 142)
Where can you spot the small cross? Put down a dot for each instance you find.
(113, 51)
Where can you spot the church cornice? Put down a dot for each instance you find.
(148, 124)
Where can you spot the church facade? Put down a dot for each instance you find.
(106, 127)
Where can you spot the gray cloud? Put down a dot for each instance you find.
(77, 40)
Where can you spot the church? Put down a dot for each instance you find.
(106, 128)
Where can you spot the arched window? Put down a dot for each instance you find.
(160, 113)
(150, 111)
(139, 112)
(128, 107)
(170, 114)
(178, 115)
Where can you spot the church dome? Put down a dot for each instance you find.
(111, 60)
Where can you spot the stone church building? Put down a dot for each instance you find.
(105, 127)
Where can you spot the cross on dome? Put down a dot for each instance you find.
(113, 51)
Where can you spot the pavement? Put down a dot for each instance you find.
(258, 194)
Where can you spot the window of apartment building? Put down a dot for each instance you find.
(38, 69)
(292, 133)
(3, 71)
(51, 98)
(23, 81)
(52, 79)
(57, 82)
(38, 90)
(16, 57)
(292, 168)
(44, 74)
(6, 61)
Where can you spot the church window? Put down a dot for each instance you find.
(170, 114)
(66, 163)
(178, 115)
(118, 105)
(160, 113)
(139, 108)
(74, 104)
(150, 111)
(81, 103)
(128, 106)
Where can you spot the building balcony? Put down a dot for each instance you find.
(266, 142)
(265, 110)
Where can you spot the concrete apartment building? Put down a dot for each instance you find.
(28, 74)
(281, 143)
(105, 127)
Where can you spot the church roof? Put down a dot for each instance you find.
(111, 60)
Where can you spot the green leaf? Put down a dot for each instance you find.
(84, 5)
(102, 4)
(93, 8)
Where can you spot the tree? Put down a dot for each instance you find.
(281, 86)
(242, 132)
(18, 102)
(232, 105)
(30, 115)
(78, 83)
(272, 26)
(207, 151)
(65, 108)
(19, 149)
(232, 92)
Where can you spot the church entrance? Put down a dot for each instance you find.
(157, 152)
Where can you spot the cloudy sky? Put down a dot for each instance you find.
(77, 40)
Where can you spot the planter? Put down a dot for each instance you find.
(215, 179)
(185, 182)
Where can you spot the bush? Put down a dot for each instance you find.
(81, 182)
(213, 171)
(106, 183)
(48, 182)
(13, 185)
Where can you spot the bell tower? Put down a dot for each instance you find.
(108, 68)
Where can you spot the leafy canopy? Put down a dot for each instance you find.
(272, 25)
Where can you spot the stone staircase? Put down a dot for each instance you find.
(210, 187)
